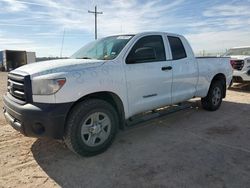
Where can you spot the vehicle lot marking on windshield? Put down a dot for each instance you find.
(124, 37)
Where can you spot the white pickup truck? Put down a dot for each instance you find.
(85, 99)
(240, 61)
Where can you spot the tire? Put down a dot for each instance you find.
(91, 127)
(214, 97)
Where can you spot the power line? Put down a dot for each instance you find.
(95, 12)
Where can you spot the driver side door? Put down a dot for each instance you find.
(148, 74)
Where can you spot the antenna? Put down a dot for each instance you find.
(62, 43)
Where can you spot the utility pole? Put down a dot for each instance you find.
(95, 12)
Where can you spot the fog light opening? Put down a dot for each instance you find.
(38, 128)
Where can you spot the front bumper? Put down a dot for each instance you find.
(242, 76)
(38, 119)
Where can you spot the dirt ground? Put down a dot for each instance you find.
(190, 148)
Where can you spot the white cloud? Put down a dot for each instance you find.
(137, 17)
(28, 45)
(12, 6)
(46, 3)
(228, 10)
(218, 41)
(128, 16)
(14, 41)
(223, 27)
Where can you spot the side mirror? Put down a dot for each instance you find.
(142, 54)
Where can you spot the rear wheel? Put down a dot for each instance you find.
(214, 97)
(91, 127)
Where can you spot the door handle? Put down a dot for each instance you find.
(166, 68)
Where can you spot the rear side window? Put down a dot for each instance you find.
(177, 48)
(153, 42)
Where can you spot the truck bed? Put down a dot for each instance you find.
(208, 67)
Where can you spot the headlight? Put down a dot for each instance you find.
(47, 87)
(248, 61)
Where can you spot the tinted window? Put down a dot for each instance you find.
(151, 45)
(177, 48)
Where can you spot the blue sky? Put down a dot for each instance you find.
(38, 25)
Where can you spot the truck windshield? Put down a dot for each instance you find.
(238, 51)
(103, 49)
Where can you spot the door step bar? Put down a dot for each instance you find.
(140, 118)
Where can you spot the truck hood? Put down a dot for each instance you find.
(240, 57)
(56, 66)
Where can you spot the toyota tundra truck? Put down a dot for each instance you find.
(86, 99)
(240, 61)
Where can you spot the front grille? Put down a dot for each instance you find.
(17, 87)
(237, 64)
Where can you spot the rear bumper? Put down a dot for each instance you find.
(37, 120)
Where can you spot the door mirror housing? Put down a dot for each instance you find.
(144, 54)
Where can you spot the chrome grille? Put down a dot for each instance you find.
(237, 64)
(16, 87)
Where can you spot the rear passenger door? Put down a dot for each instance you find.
(184, 70)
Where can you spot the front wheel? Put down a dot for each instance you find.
(214, 97)
(91, 127)
(231, 84)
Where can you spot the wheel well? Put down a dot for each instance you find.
(221, 77)
(109, 97)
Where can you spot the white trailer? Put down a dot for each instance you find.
(12, 59)
(30, 57)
